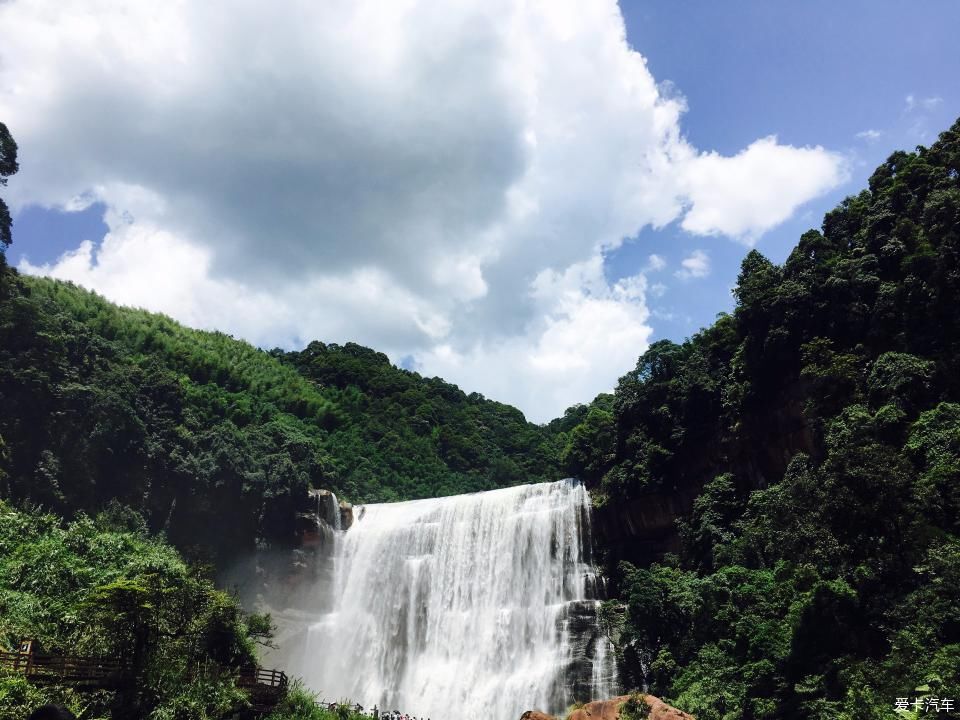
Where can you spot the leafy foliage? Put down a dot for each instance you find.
(216, 442)
(8, 167)
(399, 435)
(818, 428)
(92, 587)
(301, 704)
(635, 708)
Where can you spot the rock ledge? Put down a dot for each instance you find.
(610, 710)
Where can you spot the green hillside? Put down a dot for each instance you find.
(816, 573)
(216, 441)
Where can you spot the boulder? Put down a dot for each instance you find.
(610, 710)
(346, 515)
(536, 715)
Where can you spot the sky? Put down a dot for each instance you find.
(518, 197)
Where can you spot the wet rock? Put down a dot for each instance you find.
(346, 515)
(327, 507)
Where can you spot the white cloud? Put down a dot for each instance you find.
(423, 178)
(695, 265)
(140, 265)
(869, 135)
(655, 263)
(587, 335)
(759, 188)
(912, 102)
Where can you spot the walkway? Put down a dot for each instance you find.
(265, 687)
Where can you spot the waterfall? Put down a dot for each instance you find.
(603, 676)
(476, 605)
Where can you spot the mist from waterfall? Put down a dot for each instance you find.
(480, 605)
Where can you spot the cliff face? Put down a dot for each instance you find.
(640, 530)
(322, 507)
(643, 528)
(286, 577)
(291, 582)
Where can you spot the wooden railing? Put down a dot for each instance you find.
(74, 669)
(13, 661)
(265, 686)
(253, 677)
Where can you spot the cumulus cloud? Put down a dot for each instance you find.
(870, 135)
(141, 265)
(695, 265)
(440, 181)
(586, 329)
(756, 189)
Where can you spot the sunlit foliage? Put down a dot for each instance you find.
(103, 587)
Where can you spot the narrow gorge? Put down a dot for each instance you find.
(485, 602)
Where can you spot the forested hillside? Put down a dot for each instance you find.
(818, 428)
(215, 441)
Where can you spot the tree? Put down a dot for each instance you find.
(8, 167)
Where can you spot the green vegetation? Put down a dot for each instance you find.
(301, 704)
(103, 587)
(8, 167)
(215, 441)
(635, 708)
(819, 566)
(399, 436)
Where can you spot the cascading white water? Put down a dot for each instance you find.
(330, 513)
(603, 677)
(473, 605)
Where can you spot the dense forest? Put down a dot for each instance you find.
(215, 441)
(817, 573)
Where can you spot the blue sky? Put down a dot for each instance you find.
(812, 73)
(459, 187)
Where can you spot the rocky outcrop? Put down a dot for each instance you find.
(643, 528)
(346, 515)
(536, 715)
(610, 710)
(337, 514)
(285, 577)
